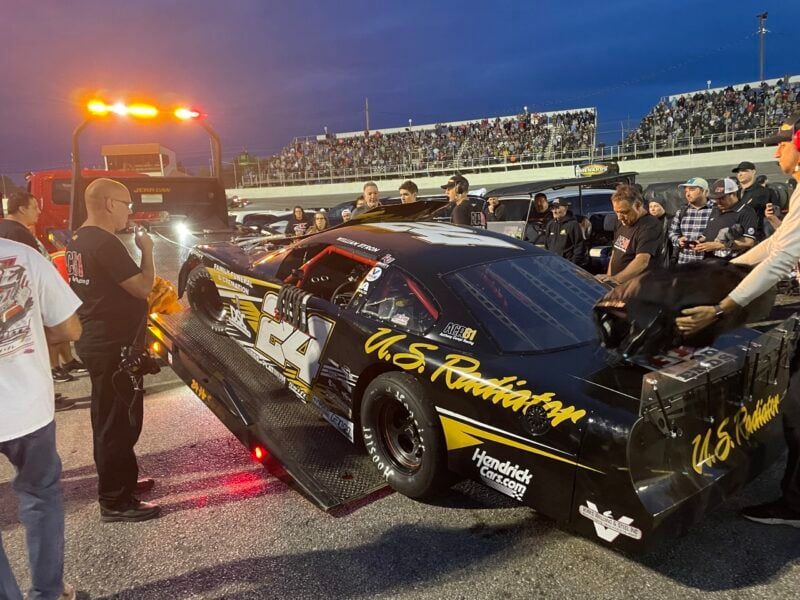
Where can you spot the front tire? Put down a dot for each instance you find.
(205, 300)
(403, 436)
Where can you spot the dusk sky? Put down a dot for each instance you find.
(266, 72)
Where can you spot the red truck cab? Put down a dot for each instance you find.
(52, 189)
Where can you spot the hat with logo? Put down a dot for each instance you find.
(723, 187)
(559, 202)
(695, 182)
(745, 165)
(456, 180)
(346, 212)
(786, 131)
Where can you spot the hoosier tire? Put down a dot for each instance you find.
(403, 436)
(205, 300)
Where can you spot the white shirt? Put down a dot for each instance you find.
(775, 257)
(32, 295)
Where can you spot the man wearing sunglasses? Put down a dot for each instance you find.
(114, 290)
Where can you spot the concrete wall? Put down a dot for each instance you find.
(720, 162)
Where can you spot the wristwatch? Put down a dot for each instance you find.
(718, 312)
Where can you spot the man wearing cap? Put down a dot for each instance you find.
(719, 239)
(690, 221)
(773, 258)
(564, 236)
(753, 195)
(456, 189)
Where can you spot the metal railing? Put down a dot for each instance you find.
(261, 175)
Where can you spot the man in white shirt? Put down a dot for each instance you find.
(37, 306)
(773, 258)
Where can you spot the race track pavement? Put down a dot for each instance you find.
(230, 530)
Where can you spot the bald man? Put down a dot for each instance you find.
(113, 289)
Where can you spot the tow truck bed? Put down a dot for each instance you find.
(302, 449)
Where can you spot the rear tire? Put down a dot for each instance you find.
(403, 436)
(205, 300)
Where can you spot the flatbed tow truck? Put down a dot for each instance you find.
(289, 437)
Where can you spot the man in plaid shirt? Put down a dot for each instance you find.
(690, 222)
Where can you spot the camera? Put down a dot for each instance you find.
(137, 362)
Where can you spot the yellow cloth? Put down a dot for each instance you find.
(163, 298)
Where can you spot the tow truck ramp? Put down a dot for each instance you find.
(302, 449)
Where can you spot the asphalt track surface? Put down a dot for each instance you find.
(231, 530)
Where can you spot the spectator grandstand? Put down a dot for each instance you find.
(526, 137)
(737, 116)
(737, 113)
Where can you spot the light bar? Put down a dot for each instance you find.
(99, 108)
(184, 114)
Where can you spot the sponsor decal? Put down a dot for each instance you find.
(340, 374)
(201, 392)
(341, 424)
(621, 243)
(236, 318)
(359, 245)
(459, 333)
(363, 287)
(606, 526)
(387, 259)
(716, 444)
(504, 477)
(296, 390)
(459, 372)
(702, 362)
(463, 432)
(374, 274)
(401, 319)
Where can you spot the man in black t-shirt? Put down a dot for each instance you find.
(23, 212)
(637, 236)
(457, 189)
(719, 239)
(114, 292)
(755, 196)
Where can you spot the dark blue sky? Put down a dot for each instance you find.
(266, 72)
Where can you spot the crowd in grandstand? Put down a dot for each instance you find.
(732, 113)
(712, 112)
(523, 137)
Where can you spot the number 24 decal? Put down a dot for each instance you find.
(288, 347)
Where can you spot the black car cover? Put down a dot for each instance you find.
(638, 317)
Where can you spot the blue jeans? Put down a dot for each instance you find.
(41, 511)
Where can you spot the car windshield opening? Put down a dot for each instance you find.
(531, 303)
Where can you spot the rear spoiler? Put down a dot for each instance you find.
(734, 375)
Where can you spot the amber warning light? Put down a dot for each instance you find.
(100, 108)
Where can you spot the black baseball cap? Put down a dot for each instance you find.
(786, 131)
(455, 180)
(745, 165)
(559, 202)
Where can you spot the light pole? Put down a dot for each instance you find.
(762, 18)
(708, 84)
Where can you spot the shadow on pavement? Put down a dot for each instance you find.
(405, 557)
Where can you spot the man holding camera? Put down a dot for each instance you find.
(732, 226)
(114, 293)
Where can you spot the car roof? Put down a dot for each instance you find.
(424, 248)
(557, 184)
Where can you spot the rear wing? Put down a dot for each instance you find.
(200, 202)
(735, 375)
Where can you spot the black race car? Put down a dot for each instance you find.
(454, 351)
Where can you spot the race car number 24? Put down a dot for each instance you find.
(289, 348)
